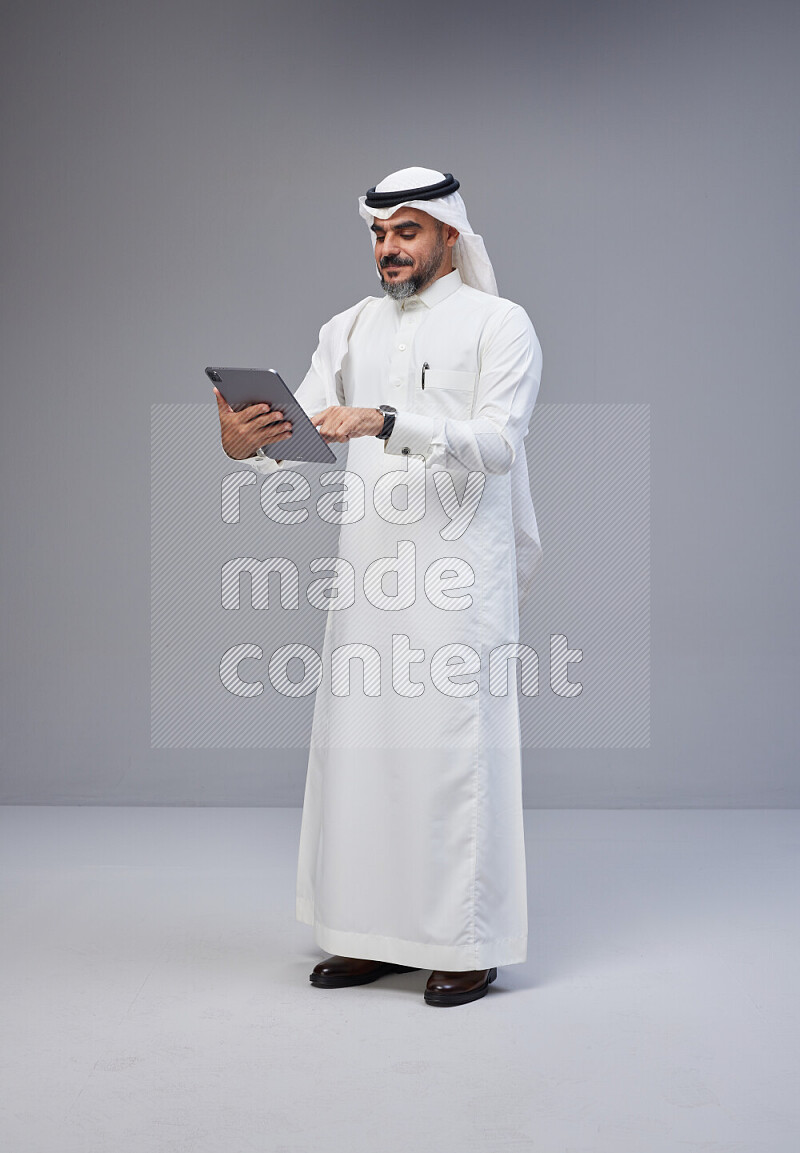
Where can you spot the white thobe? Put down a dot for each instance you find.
(411, 844)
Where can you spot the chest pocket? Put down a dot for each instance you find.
(448, 392)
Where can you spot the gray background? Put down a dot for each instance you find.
(179, 188)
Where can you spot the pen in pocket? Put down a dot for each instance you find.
(424, 367)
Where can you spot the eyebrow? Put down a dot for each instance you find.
(397, 227)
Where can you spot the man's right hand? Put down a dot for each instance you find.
(250, 428)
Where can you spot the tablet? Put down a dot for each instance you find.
(245, 386)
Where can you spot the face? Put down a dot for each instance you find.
(412, 249)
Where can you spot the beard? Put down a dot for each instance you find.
(402, 289)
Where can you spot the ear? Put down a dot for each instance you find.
(451, 235)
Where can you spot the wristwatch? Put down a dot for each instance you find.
(388, 421)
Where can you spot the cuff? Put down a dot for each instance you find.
(412, 435)
(262, 463)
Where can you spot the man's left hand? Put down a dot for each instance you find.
(341, 423)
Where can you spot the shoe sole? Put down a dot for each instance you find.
(343, 981)
(445, 999)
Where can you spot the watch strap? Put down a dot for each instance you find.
(389, 414)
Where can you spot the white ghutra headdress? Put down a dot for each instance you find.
(437, 194)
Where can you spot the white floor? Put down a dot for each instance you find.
(155, 995)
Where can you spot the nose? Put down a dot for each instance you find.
(390, 247)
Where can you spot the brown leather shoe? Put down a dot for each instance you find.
(458, 988)
(338, 972)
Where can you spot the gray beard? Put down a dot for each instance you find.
(402, 289)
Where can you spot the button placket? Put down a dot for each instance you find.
(400, 360)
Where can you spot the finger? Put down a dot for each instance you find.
(222, 403)
(270, 420)
(274, 433)
(255, 411)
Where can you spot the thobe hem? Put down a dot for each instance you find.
(420, 954)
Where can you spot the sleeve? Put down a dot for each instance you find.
(312, 396)
(508, 384)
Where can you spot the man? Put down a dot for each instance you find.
(411, 847)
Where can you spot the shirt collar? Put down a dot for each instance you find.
(436, 292)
